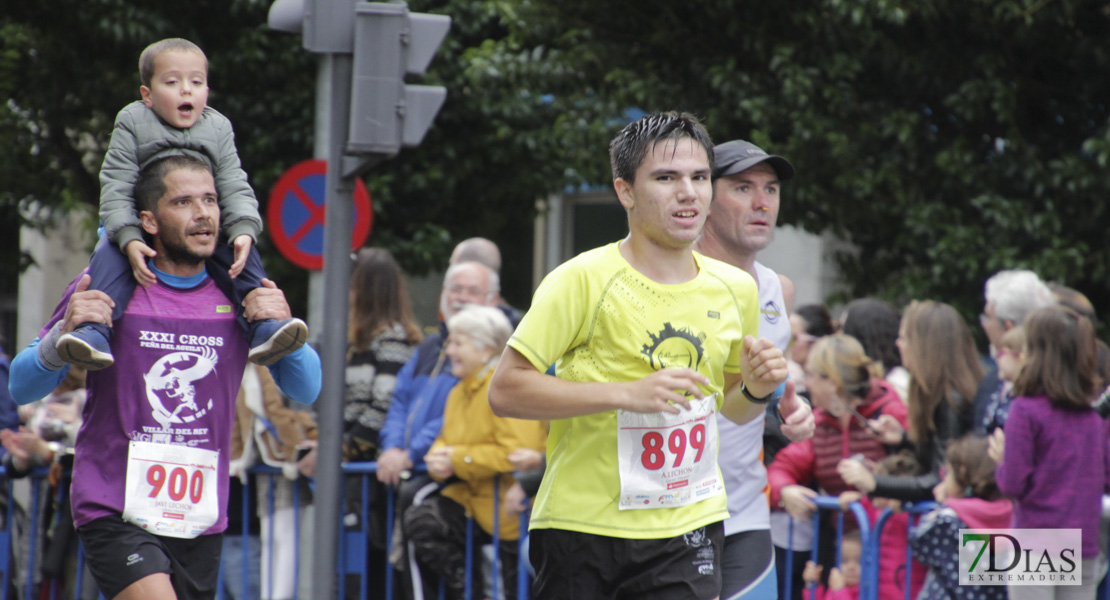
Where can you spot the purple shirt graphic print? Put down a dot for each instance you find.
(179, 365)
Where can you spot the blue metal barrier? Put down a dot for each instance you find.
(1103, 592)
(354, 544)
(6, 538)
(523, 578)
(37, 478)
(36, 500)
(870, 540)
(868, 563)
(914, 509)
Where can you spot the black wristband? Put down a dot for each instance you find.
(753, 399)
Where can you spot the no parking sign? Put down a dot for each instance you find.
(295, 215)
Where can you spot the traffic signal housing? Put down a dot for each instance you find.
(389, 43)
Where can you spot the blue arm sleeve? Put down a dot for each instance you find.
(298, 375)
(392, 434)
(29, 381)
(423, 439)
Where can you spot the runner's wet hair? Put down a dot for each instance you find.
(631, 145)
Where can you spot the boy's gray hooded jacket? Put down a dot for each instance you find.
(140, 137)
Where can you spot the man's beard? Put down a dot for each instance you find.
(178, 252)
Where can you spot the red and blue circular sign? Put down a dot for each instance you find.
(295, 215)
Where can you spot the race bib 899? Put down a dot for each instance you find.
(668, 460)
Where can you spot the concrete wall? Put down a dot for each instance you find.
(59, 254)
(804, 258)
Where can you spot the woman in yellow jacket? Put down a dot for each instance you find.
(471, 452)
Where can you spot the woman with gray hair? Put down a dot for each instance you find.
(486, 326)
(470, 455)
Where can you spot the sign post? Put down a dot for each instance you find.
(338, 213)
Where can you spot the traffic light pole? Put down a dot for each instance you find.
(367, 48)
(338, 221)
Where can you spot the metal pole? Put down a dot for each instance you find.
(321, 139)
(338, 220)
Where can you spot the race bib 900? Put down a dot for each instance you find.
(171, 489)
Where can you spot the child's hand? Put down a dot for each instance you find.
(847, 498)
(856, 474)
(887, 429)
(812, 572)
(242, 251)
(836, 579)
(526, 459)
(798, 501)
(996, 446)
(137, 253)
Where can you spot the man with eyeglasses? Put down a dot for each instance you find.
(482, 250)
(1009, 295)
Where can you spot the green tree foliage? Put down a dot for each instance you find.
(67, 67)
(501, 141)
(945, 140)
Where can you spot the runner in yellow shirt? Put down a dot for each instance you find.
(650, 341)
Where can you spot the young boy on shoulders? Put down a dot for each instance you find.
(173, 118)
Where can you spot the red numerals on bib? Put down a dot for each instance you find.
(654, 456)
(179, 483)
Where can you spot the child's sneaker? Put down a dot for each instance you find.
(272, 339)
(86, 347)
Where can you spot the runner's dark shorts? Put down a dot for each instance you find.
(582, 566)
(119, 554)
